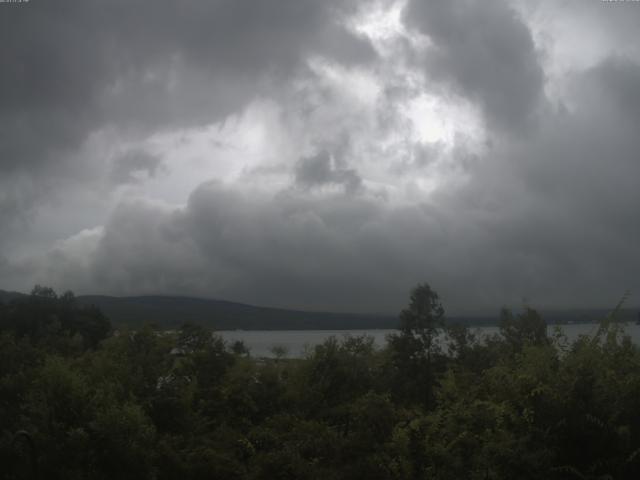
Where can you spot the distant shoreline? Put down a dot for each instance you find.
(170, 312)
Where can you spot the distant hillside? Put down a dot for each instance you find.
(172, 311)
(169, 312)
(6, 297)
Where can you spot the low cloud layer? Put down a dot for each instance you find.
(321, 155)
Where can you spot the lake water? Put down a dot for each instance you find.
(296, 342)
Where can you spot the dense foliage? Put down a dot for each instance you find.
(78, 400)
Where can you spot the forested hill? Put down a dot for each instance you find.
(169, 311)
(6, 297)
(174, 311)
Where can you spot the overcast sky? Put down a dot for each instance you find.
(323, 155)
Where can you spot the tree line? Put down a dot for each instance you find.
(79, 400)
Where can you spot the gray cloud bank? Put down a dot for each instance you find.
(547, 210)
(72, 68)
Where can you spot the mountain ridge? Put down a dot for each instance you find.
(171, 311)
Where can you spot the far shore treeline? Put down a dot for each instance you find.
(171, 312)
(81, 399)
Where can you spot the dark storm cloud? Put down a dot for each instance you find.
(552, 219)
(11, 205)
(547, 213)
(72, 57)
(562, 205)
(486, 51)
(618, 78)
(229, 243)
(320, 170)
(70, 68)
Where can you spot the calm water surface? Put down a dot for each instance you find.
(297, 342)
